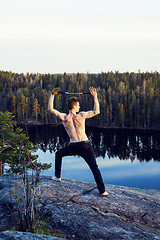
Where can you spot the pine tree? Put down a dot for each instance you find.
(121, 114)
(36, 108)
(17, 151)
(23, 105)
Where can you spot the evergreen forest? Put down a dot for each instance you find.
(130, 100)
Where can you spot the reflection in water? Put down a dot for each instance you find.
(141, 149)
(143, 145)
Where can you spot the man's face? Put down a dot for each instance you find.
(77, 107)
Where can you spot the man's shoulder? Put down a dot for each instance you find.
(83, 114)
(62, 116)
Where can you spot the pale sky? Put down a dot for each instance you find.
(57, 36)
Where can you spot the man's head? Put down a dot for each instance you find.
(73, 102)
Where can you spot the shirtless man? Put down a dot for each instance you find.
(74, 124)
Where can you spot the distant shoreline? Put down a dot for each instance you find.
(38, 124)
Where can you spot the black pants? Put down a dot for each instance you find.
(85, 150)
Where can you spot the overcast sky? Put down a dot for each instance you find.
(57, 36)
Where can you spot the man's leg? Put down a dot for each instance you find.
(89, 157)
(66, 151)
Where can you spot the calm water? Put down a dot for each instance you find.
(125, 157)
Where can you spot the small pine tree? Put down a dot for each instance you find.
(17, 151)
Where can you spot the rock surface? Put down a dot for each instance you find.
(7, 235)
(79, 212)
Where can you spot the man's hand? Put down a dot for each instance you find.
(93, 91)
(55, 91)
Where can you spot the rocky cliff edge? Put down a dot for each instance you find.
(77, 209)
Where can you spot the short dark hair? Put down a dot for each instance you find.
(72, 101)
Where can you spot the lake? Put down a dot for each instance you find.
(126, 157)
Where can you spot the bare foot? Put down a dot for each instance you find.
(56, 179)
(105, 194)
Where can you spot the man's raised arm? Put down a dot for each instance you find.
(96, 108)
(50, 104)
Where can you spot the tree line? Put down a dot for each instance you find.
(129, 100)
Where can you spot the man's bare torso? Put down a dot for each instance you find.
(74, 121)
(74, 125)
